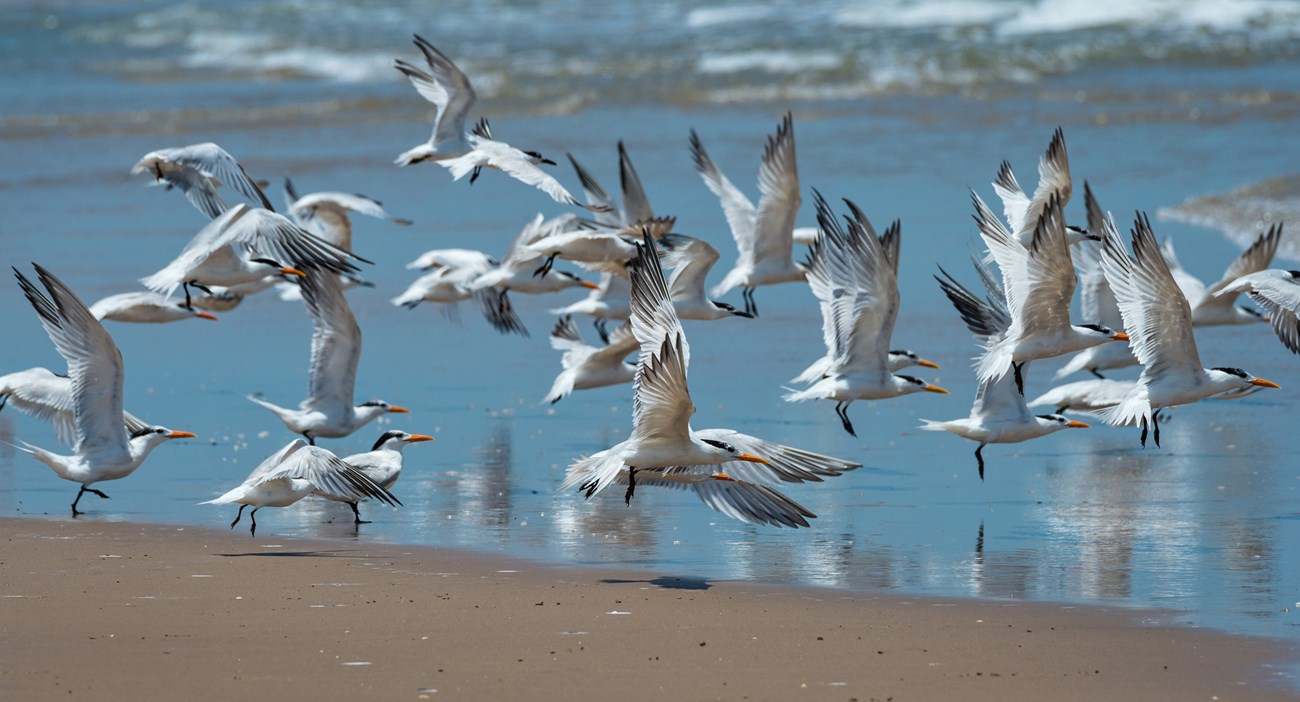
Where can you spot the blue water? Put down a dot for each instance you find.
(1154, 111)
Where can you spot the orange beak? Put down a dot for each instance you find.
(590, 285)
(751, 458)
(206, 315)
(293, 271)
(399, 410)
(723, 476)
(1265, 383)
(181, 435)
(936, 388)
(927, 364)
(418, 437)
(1121, 336)
(1079, 425)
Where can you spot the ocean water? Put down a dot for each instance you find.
(901, 106)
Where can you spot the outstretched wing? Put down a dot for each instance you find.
(335, 343)
(662, 407)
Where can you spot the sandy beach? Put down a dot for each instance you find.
(128, 611)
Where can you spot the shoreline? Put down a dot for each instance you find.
(118, 609)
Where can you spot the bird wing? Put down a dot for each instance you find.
(778, 184)
(597, 196)
(1097, 300)
(328, 474)
(738, 499)
(264, 233)
(1053, 182)
(875, 307)
(1039, 278)
(447, 87)
(985, 320)
(1277, 292)
(94, 365)
(740, 212)
(785, 464)
(1156, 315)
(636, 206)
(1191, 287)
(1255, 258)
(662, 407)
(999, 399)
(43, 394)
(621, 342)
(335, 343)
(1015, 203)
(691, 260)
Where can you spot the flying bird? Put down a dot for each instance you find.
(1159, 319)
(853, 274)
(197, 170)
(664, 451)
(585, 367)
(763, 234)
(1212, 306)
(467, 153)
(328, 411)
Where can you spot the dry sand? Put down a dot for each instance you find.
(132, 612)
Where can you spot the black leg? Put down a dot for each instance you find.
(751, 307)
(253, 516)
(1020, 380)
(545, 267)
(600, 329)
(842, 411)
(357, 514)
(1155, 421)
(189, 305)
(310, 439)
(238, 516)
(1062, 408)
(1143, 438)
(5, 398)
(474, 175)
(980, 457)
(631, 485)
(80, 492)
(1097, 373)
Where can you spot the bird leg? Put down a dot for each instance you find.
(980, 457)
(1155, 420)
(1062, 408)
(1097, 373)
(842, 411)
(253, 516)
(359, 521)
(189, 304)
(473, 176)
(1143, 438)
(600, 329)
(545, 267)
(5, 398)
(238, 516)
(631, 485)
(751, 307)
(81, 492)
(1020, 380)
(310, 439)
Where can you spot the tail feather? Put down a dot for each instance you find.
(815, 372)
(593, 473)
(995, 363)
(813, 393)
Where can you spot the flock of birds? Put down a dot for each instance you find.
(1138, 309)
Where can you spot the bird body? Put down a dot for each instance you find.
(1213, 305)
(146, 307)
(198, 170)
(586, 367)
(1277, 291)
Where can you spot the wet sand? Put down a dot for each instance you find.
(129, 611)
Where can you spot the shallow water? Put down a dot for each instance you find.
(1206, 525)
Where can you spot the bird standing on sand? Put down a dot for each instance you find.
(102, 450)
(335, 352)
(664, 451)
